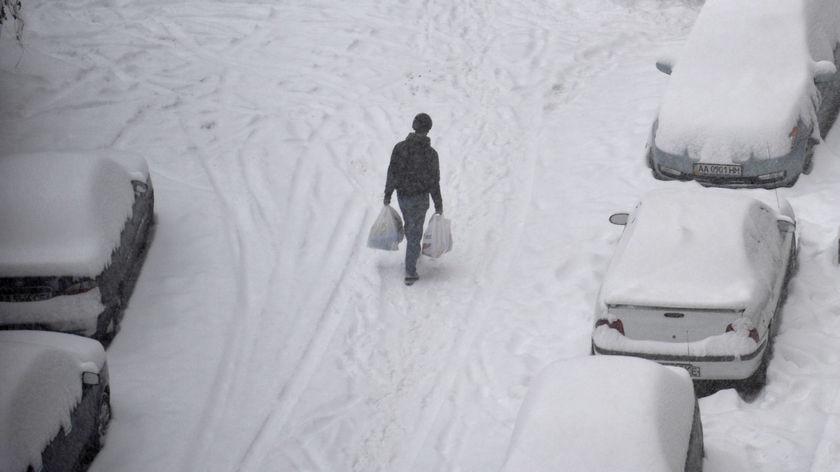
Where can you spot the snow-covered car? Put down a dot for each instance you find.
(696, 280)
(54, 401)
(608, 413)
(73, 239)
(754, 89)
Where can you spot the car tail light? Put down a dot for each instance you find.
(616, 325)
(80, 286)
(794, 132)
(752, 333)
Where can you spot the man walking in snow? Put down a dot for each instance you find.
(414, 173)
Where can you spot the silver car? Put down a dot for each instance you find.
(746, 104)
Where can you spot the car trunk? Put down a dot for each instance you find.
(676, 325)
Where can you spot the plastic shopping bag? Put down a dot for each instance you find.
(387, 231)
(437, 239)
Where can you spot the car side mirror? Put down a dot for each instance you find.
(786, 226)
(619, 218)
(824, 71)
(666, 66)
(90, 378)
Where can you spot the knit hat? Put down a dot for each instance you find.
(422, 123)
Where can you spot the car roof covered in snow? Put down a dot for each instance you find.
(604, 413)
(63, 212)
(745, 78)
(40, 385)
(696, 248)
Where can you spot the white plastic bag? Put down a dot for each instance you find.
(387, 231)
(437, 239)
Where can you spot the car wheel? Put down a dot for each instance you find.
(108, 324)
(694, 457)
(793, 264)
(103, 419)
(97, 439)
(749, 387)
(808, 165)
(791, 269)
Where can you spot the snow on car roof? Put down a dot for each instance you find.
(62, 213)
(695, 248)
(577, 411)
(745, 78)
(40, 384)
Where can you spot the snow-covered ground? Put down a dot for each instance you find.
(264, 335)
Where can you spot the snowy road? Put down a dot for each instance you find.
(264, 335)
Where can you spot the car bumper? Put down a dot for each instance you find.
(713, 367)
(754, 173)
(77, 314)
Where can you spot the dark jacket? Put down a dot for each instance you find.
(414, 169)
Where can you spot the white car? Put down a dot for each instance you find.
(753, 90)
(54, 401)
(697, 280)
(75, 230)
(608, 414)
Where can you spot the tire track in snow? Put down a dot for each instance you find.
(307, 288)
(236, 350)
(594, 56)
(251, 350)
(329, 299)
(394, 434)
(302, 204)
(392, 437)
(411, 329)
(237, 180)
(249, 206)
(330, 316)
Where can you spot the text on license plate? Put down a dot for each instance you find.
(718, 170)
(693, 370)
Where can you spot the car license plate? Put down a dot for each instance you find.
(717, 170)
(693, 370)
(12, 296)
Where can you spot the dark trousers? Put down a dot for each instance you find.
(414, 208)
